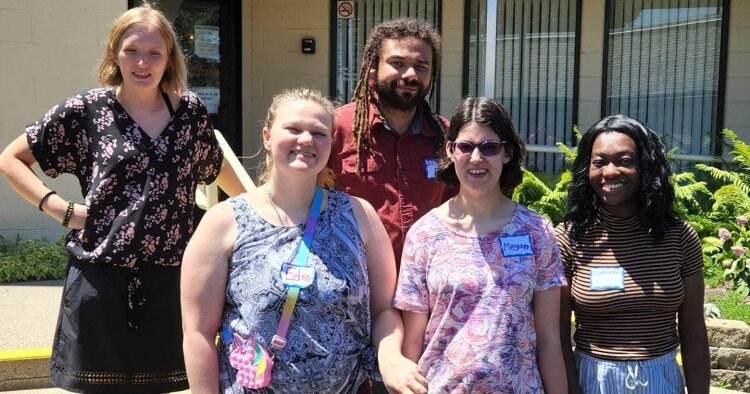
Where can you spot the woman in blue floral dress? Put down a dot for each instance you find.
(236, 271)
(138, 148)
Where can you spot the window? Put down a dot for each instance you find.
(352, 33)
(663, 60)
(523, 54)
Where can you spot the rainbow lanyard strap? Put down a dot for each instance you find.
(279, 340)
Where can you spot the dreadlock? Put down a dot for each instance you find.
(363, 92)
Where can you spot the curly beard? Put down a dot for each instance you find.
(390, 97)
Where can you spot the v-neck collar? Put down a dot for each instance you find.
(120, 110)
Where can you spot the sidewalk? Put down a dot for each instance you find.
(28, 315)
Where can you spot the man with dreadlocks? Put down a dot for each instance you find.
(386, 141)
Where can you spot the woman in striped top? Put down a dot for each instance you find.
(632, 267)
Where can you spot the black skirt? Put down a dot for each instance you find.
(103, 345)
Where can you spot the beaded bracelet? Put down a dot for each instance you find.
(68, 214)
(46, 196)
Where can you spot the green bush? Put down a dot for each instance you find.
(713, 272)
(547, 194)
(31, 259)
(726, 222)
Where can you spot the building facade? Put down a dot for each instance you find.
(680, 65)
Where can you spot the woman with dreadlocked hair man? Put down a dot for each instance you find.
(386, 140)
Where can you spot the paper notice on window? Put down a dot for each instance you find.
(210, 97)
(207, 42)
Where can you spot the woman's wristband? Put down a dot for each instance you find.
(46, 196)
(68, 213)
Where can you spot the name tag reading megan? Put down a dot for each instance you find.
(516, 245)
(606, 278)
(296, 276)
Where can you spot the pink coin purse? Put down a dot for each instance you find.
(252, 361)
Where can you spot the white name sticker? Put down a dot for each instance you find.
(516, 245)
(296, 276)
(606, 278)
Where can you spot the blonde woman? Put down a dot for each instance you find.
(242, 267)
(138, 147)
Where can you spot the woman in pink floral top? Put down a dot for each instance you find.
(138, 149)
(480, 276)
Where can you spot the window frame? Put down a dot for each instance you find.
(569, 136)
(720, 90)
(333, 53)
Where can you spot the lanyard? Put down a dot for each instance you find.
(279, 340)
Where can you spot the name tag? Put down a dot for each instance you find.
(605, 278)
(430, 167)
(296, 276)
(516, 245)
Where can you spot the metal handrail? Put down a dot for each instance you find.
(676, 156)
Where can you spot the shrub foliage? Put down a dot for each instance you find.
(26, 259)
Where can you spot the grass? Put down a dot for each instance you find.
(732, 305)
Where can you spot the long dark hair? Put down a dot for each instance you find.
(363, 92)
(655, 192)
(492, 114)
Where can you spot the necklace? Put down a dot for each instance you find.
(275, 208)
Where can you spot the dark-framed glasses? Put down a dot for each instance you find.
(486, 148)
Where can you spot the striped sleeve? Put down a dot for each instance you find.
(563, 241)
(692, 253)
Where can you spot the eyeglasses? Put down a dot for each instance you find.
(486, 148)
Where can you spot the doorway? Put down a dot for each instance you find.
(210, 34)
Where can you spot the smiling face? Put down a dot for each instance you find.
(403, 74)
(613, 173)
(142, 57)
(299, 139)
(476, 172)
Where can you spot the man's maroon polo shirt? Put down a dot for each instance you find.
(398, 180)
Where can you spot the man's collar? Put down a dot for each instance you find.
(417, 122)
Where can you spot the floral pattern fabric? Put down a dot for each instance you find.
(139, 191)
(480, 336)
(328, 347)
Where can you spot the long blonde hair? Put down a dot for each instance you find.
(325, 177)
(175, 76)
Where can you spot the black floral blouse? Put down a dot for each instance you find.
(139, 191)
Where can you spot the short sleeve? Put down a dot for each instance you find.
(562, 235)
(412, 293)
(207, 152)
(59, 141)
(550, 271)
(692, 253)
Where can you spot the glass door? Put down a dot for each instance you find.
(209, 32)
